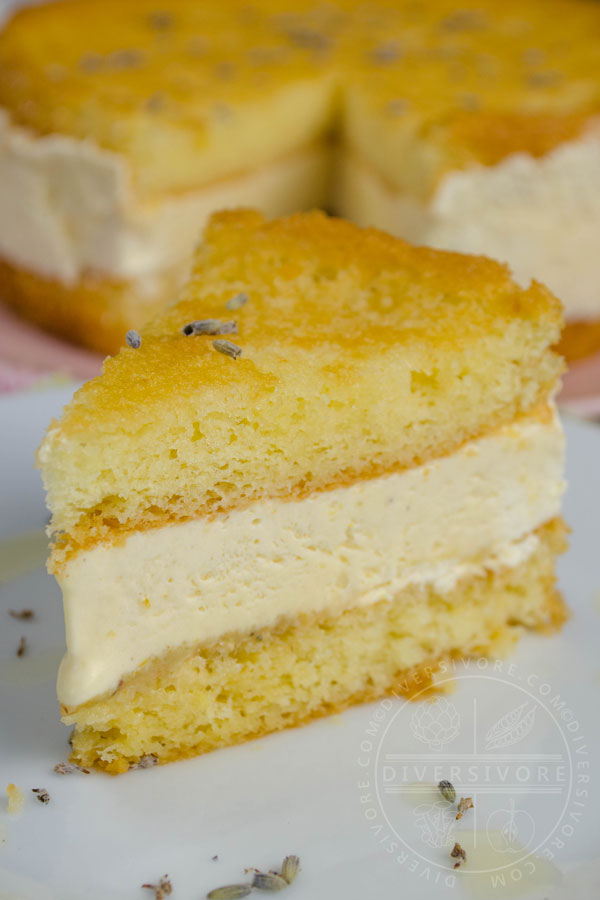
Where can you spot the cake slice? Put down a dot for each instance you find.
(347, 470)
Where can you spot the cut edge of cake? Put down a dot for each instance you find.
(243, 687)
(341, 318)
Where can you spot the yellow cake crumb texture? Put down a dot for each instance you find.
(360, 354)
(244, 686)
(15, 798)
(470, 82)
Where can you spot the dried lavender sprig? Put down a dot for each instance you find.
(447, 791)
(227, 348)
(237, 301)
(133, 339)
(210, 326)
(146, 762)
(230, 892)
(69, 769)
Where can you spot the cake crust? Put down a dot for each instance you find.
(95, 312)
(580, 338)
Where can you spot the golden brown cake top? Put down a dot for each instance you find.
(360, 354)
(321, 291)
(191, 92)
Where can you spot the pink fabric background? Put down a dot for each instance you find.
(27, 356)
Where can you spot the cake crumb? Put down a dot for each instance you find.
(459, 855)
(15, 798)
(465, 804)
(162, 889)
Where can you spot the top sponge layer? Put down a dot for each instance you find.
(360, 354)
(208, 89)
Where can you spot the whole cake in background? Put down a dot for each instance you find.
(332, 464)
(471, 126)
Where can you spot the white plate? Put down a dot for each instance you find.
(338, 792)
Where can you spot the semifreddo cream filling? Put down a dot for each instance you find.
(68, 207)
(197, 581)
(541, 216)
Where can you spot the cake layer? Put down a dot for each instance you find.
(196, 581)
(207, 696)
(541, 216)
(185, 102)
(127, 131)
(579, 339)
(95, 312)
(97, 262)
(186, 94)
(360, 354)
(69, 209)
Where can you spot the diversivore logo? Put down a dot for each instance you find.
(510, 743)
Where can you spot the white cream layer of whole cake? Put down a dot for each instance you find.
(541, 216)
(68, 207)
(197, 581)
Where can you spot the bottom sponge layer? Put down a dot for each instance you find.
(199, 698)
